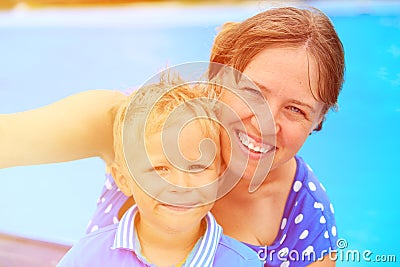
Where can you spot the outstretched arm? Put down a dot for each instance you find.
(76, 127)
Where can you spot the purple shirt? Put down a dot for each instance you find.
(308, 229)
(118, 245)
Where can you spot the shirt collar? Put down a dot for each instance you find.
(205, 251)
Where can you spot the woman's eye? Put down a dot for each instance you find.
(296, 110)
(252, 91)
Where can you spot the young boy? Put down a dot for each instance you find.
(163, 161)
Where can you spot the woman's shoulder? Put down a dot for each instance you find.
(309, 213)
(306, 186)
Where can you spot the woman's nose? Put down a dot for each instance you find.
(264, 119)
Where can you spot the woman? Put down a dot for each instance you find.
(296, 59)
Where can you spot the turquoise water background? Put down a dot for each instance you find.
(46, 55)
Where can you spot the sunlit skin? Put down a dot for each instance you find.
(284, 76)
(169, 232)
(194, 175)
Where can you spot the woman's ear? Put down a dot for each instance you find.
(120, 178)
(318, 126)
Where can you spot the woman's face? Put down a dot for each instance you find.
(285, 78)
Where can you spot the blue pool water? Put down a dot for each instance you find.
(46, 55)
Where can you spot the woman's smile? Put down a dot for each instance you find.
(253, 146)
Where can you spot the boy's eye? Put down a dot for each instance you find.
(161, 169)
(197, 168)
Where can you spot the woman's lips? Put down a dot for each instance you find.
(255, 148)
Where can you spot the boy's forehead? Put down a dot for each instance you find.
(181, 139)
(187, 142)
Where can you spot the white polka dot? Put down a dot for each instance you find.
(89, 223)
(332, 210)
(322, 219)
(298, 218)
(285, 264)
(108, 209)
(318, 205)
(323, 188)
(334, 230)
(283, 239)
(103, 199)
(283, 252)
(115, 220)
(94, 228)
(312, 186)
(118, 190)
(295, 204)
(304, 234)
(297, 185)
(308, 251)
(283, 224)
(326, 234)
(108, 184)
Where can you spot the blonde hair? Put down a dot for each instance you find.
(150, 108)
(238, 43)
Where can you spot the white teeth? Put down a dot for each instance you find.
(251, 146)
(245, 140)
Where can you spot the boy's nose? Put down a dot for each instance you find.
(180, 181)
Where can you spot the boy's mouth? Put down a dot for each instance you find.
(180, 207)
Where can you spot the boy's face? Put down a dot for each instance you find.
(192, 179)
